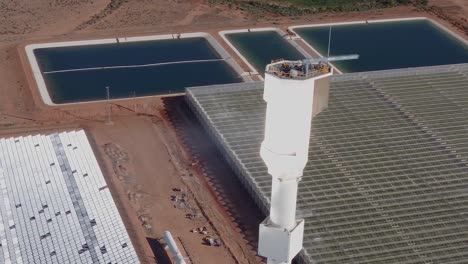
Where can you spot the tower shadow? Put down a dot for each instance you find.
(221, 179)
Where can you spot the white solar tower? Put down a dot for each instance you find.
(289, 93)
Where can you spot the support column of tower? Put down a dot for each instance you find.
(289, 94)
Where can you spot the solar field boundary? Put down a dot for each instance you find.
(400, 72)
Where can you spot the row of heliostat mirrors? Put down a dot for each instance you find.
(55, 206)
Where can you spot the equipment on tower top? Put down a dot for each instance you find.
(305, 68)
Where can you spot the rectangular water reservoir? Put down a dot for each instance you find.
(259, 47)
(386, 45)
(80, 71)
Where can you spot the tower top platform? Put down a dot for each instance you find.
(297, 70)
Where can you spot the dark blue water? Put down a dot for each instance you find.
(391, 45)
(260, 48)
(78, 86)
(90, 85)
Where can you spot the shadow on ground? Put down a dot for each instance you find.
(224, 184)
(160, 254)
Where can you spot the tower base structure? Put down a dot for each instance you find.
(280, 244)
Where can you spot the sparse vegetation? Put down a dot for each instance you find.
(111, 7)
(302, 7)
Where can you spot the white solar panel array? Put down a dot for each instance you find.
(55, 206)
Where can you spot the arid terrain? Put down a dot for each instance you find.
(154, 152)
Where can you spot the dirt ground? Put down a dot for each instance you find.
(453, 11)
(153, 150)
(146, 175)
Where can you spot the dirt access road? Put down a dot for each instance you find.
(153, 150)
